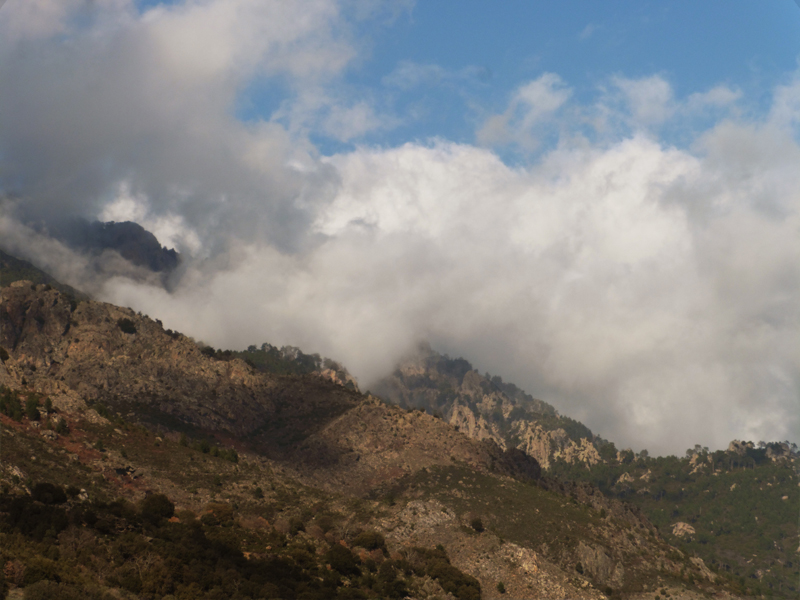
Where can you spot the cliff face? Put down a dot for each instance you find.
(546, 446)
(487, 408)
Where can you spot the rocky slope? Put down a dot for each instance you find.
(283, 449)
(486, 408)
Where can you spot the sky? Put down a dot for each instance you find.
(599, 202)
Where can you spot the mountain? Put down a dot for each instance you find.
(485, 407)
(132, 241)
(138, 464)
(734, 508)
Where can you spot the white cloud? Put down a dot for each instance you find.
(650, 99)
(583, 280)
(588, 31)
(786, 108)
(408, 75)
(170, 230)
(157, 106)
(36, 19)
(531, 105)
(717, 97)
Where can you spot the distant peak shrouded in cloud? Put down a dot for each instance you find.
(649, 290)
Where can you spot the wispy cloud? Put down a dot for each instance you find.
(532, 105)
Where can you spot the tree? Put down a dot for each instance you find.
(156, 507)
(32, 408)
(126, 325)
(608, 452)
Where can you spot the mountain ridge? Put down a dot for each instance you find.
(107, 370)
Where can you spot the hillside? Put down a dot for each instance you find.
(14, 269)
(139, 464)
(736, 509)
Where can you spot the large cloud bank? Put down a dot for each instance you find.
(650, 290)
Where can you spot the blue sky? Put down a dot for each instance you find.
(476, 56)
(598, 201)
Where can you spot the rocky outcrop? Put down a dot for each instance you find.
(475, 426)
(547, 446)
(599, 565)
(681, 529)
(739, 447)
(486, 408)
(339, 377)
(625, 478)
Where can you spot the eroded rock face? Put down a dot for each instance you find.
(546, 446)
(740, 447)
(599, 565)
(475, 426)
(625, 478)
(681, 529)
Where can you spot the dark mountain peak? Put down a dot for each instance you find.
(132, 241)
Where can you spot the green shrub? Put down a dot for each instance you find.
(436, 564)
(477, 524)
(50, 590)
(371, 540)
(32, 408)
(126, 325)
(156, 507)
(342, 560)
(38, 569)
(501, 587)
(10, 404)
(47, 493)
(3, 354)
(296, 525)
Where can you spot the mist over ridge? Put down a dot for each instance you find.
(648, 289)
